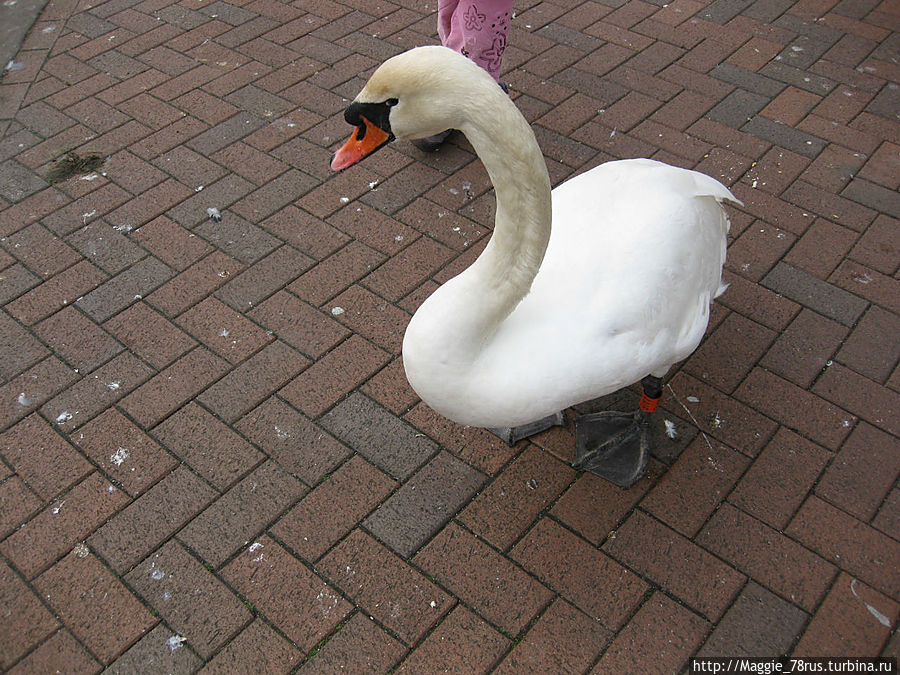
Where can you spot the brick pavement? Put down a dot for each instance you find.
(210, 455)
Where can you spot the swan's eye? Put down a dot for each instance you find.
(392, 102)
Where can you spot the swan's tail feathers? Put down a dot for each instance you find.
(707, 186)
(722, 288)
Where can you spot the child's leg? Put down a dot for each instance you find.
(477, 29)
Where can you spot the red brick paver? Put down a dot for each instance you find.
(210, 457)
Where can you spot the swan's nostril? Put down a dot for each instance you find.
(377, 113)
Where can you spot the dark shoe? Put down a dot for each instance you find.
(432, 143)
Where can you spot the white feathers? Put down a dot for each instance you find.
(671, 431)
(546, 318)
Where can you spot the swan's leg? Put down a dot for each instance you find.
(514, 434)
(614, 445)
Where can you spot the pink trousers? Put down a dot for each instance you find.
(476, 29)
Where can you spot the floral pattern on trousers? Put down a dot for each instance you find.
(477, 30)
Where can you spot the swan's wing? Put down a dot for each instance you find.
(624, 289)
(633, 262)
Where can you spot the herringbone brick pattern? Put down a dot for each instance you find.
(209, 454)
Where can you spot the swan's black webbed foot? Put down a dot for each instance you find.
(512, 435)
(614, 445)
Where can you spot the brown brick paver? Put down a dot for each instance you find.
(179, 588)
(210, 458)
(292, 597)
(94, 604)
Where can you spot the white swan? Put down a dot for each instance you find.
(619, 289)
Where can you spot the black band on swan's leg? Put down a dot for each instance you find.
(652, 386)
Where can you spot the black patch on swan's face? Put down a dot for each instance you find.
(378, 114)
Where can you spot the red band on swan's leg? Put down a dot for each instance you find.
(649, 404)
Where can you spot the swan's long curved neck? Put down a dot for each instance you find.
(503, 273)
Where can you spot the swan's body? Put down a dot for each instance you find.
(544, 319)
(634, 259)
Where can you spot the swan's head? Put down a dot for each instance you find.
(418, 93)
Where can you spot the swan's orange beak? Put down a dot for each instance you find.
(365, 140)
